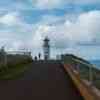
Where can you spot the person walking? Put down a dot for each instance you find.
(39, 55)
(35, 58)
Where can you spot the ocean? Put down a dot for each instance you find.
(96, 63)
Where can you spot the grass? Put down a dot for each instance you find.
(14, 72)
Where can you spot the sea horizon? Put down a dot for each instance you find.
(95, 62)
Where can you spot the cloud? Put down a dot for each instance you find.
(88, 26)
(19, 5)
(65, 34)
(84, 29)
(82, 1)
(69, 5)
(14, 31)
(47, 4)
(51, 4)
(9, 19)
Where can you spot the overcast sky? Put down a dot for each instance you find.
(73, 26)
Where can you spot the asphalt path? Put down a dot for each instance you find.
(43, 81)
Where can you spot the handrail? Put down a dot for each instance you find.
(94, 66)
(79, 61)
(90, 69)
(87, 91)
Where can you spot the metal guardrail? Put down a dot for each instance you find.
(84, 76)
(19, 52)
(87, 91)
(5, 55)
(90, 68)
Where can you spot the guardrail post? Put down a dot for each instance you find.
(5, 59)
(90, 75)
(78, 68)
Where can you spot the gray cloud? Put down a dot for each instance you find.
(50, 4)
(64, 32)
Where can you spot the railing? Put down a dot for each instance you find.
(88, 72)
(13, 57)
(83, 74)
(19, 52)
(90, 67)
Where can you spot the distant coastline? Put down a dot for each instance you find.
(95, 62)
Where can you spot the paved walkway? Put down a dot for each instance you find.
(44, 81)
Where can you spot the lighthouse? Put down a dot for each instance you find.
(46, 48)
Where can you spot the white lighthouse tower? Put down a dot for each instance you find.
(46, 48)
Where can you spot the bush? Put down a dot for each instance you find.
(15, 60)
